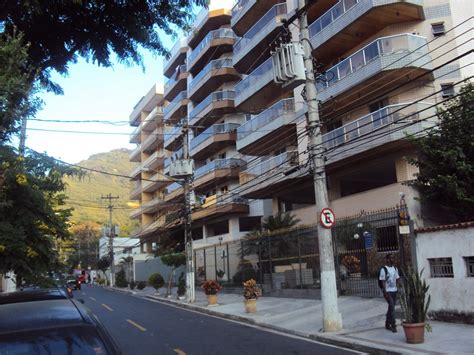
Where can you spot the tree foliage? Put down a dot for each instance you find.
(103, 263)
(446, 160)
(32, 213)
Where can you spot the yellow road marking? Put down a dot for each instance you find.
(92, 298)
(136, 325)
(107, 307)
(179, 352)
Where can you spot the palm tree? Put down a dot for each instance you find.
(279, 221)
(127, 262)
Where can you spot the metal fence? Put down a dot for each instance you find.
(289, 259)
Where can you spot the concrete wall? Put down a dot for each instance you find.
(144, 268)
(454, 293)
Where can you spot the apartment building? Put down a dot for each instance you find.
(381, 65)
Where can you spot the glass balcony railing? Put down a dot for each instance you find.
(284, 159)
(225, 198)
(252, 36)
(174, 79)
(240, 8)
(404, 43)
(279, 109)
(220, 33)
(214, 97)
(174, 52)
(254, 81)
(173, 187)
(171, 135)
(213, 64)
(212, 131)
(176, 102)
(331, 15)
(218, 164)
(373, 121)
(200, 19)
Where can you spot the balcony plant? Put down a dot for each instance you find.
(211, 288)
(414, 300)
(251, 294)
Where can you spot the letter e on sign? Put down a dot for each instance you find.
(327, 218)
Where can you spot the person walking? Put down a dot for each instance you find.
(388, 279)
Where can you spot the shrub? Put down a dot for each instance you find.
(181, 285)
(120, 280)
(156, 281)
(132, 285)
(245, 272)
(211, 287)
(141, 285)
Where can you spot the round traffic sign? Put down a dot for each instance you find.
(327, 218)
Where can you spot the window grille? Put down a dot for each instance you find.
(447, 90)
(441, 267)
(438, 29)
(387, 238)
(469, 265)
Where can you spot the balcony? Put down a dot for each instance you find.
(258, 89)
(154, 161)
(395, 59)
(274, 126)
(214, 74)
(213, 139)
(176, 83)
(253, 48)
(154, 118)
(153, 141)
(246, 13)
(156, 182)
(136, 213)
(266, 177)
(154, 205)
(136, 192)
(212, 107)
(217, 171)
(173, 137)
(379, 130)
(136, 155)
(174, 192)
(207, 21)
(221, 204)
(177, 109)
(350, 22)
(136, 172)
(135, 136)
(177, 57)
(212, 46)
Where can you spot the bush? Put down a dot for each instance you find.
(120, 280)
(141, 285)
(132, 285)
(245, 272)
(181, 285)
(156, 281)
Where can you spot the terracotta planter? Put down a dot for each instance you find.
(414, 332)
(250, 305)
(211, 300)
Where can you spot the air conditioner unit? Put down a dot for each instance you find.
(288, 65)
(182, 167)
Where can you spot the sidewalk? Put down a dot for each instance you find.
(363, 321)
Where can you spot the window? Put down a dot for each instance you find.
(438, 29)
(447, 90)
(387, 238)
(469, 265)
(441, 267)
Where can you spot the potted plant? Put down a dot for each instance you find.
(181, 287)
(415, 301)
(211, 287)
(251, 293)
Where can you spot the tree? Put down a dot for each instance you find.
(92, 29)
(446, 160)
(104, 263)
(174, 261)
(32, 214)
(86, 239)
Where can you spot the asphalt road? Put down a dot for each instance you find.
(142, 326)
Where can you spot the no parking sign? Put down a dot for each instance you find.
(327, 218)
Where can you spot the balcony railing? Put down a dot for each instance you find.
(176, 102)
(135, 153)
(282, 107)
(171, 135)
(173, 80)
(220, 33)
(282, 160)
(173, 187)
(212, 131)
(152, 116)
(331, 15)
(170, 217)
(371, 122)
(214, 97)
(254, 35)
(174, 52)
(218, 164)
(200, 19)
(240, 8)
(214, 64)
(254, 81)
(404, 43)
(154, 137)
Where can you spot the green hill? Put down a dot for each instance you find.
(85, 194)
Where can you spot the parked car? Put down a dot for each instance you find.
(49, 322)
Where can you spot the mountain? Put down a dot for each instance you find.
(85, 194)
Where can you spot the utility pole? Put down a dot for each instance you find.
(331, 317)
(111, 236)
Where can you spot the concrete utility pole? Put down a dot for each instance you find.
(188, 239)
(331, 317)
(111, 236)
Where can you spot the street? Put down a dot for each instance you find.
(142, 326)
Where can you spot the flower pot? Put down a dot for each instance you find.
(181, 297)
(211, 300)
(250, 305)
(414, 332)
